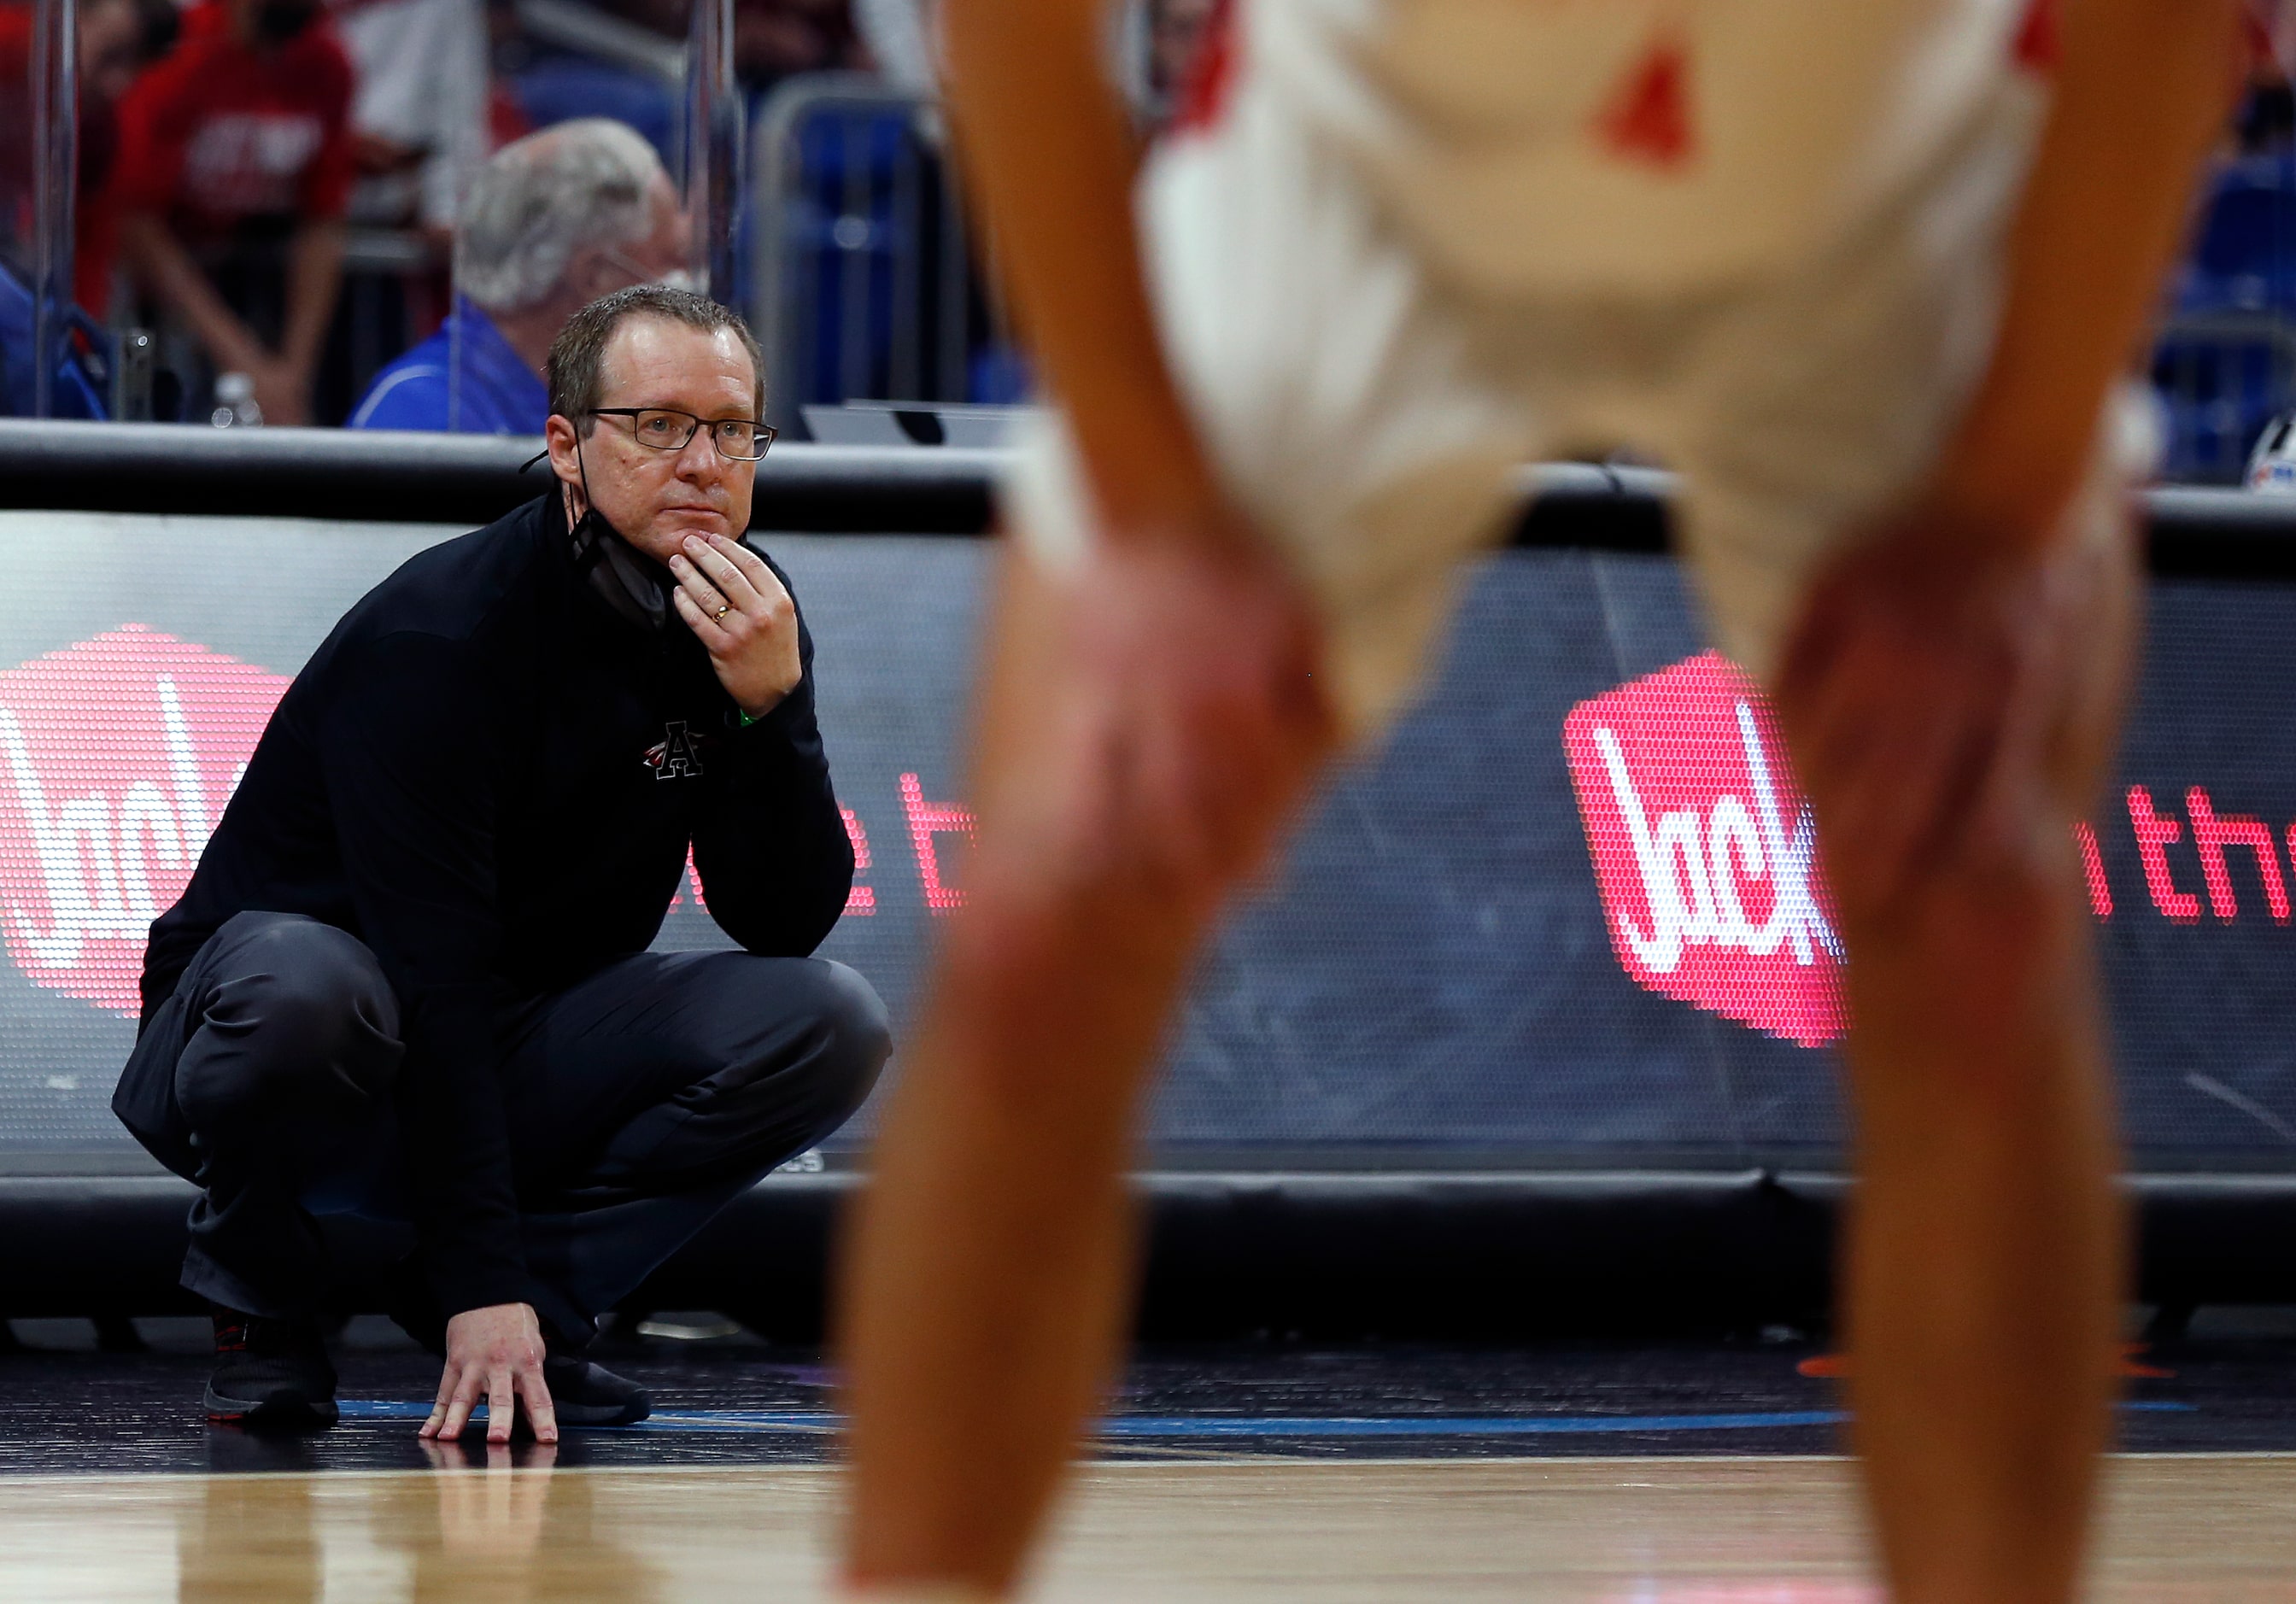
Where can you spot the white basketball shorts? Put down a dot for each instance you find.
(1368, 410)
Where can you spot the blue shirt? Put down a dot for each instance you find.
(499, 393)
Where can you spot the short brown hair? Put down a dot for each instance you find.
(579, 354)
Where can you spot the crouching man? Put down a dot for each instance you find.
(411, 978)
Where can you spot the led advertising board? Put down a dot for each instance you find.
(1569, 911)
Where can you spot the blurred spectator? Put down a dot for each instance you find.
(116, 37)
(552, 222)
(118, 40)
(235, 165)
(506, 119)
(419, 124)
(774, 39)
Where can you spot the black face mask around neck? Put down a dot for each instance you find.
(624, 580)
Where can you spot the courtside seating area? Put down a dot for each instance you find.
(876, 292)
(2226, 361)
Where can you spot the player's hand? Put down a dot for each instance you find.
(1944, 691)
(730, 599)
(1190, 720)
(494, 1354)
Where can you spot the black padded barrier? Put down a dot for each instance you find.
(1422, 1083)
(468, 479)
(835, 489)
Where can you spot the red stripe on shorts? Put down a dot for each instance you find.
(2040, 38)
(1211, 74)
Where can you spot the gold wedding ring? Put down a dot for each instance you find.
(723, 609)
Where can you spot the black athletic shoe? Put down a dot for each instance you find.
(590, 1394)
(270, 1374)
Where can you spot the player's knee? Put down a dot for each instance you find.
(2002, 877)
(1983, 939)
(1131, 894)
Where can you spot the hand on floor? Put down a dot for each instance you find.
(495, 1353)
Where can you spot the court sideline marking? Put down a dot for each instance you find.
(1622, 1463)
(1123, 1428)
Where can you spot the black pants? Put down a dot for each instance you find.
(640, 1101)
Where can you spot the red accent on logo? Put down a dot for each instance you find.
(1648, 119)
(1705, 852)
(926, 821)
(117, 756)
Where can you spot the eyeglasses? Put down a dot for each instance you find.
(665, 429)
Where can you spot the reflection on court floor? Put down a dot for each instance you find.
(1684, 1471)
(1643, 1531)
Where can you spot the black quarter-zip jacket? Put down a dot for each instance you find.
(491, 777)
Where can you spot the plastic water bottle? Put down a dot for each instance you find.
(235, 406)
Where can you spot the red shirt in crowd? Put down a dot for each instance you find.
(219, 133)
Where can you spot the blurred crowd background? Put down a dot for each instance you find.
(374, 213)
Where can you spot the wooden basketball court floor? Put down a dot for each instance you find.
(1683, 1472)
(1764, 1530)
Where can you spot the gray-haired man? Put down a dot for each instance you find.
(552, 222)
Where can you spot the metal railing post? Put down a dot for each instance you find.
(713, 148)
(55, 178)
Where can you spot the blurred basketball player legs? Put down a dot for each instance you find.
(1952, 701)
(1152, 714)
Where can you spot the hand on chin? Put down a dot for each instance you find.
(672, 525)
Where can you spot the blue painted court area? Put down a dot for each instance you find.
(1250, 1427)
(745, 1402)
(1224, 1427)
